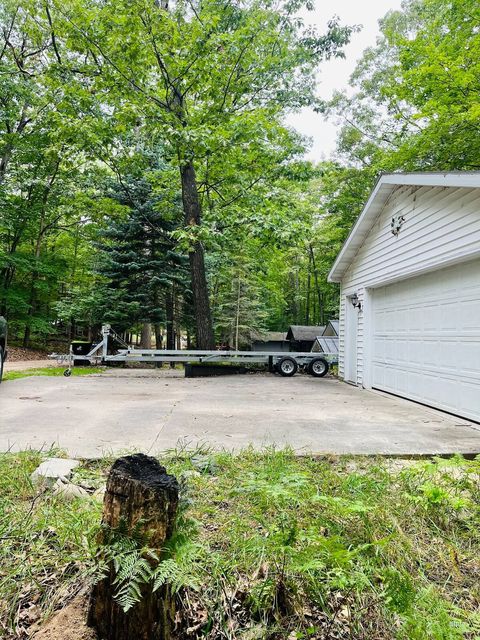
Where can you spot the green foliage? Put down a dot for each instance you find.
(47, 544)
(136, 566)
(269, 542)
(88, 114)
(85, 106)
(127, 552)
(238, 298)
(143, 272)
(414, 107)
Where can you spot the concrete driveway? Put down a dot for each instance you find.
(153, 410)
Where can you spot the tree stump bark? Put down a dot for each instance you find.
(138, 491)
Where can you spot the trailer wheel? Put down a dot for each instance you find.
(318, 367)
(287, 367)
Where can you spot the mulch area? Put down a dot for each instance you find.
(17, 354)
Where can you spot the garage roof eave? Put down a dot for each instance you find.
(383, 188)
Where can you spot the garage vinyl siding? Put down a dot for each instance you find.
(360, 291)
(426, 339)
(341, 335)
(441, 226)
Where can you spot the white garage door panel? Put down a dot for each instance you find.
(426, 339)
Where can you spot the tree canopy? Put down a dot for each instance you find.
(147, 176)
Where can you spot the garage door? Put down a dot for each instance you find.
(426, 339)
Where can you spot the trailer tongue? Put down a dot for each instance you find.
(286, 364)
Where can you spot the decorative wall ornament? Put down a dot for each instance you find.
(396, 225)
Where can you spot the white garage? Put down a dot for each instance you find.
(410, 291)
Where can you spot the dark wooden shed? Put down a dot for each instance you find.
(270, 341)
(302, 337)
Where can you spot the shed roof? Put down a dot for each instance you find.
(335, 324)
(384, 187)
(327, 344)
(302, 332)
(269, 336)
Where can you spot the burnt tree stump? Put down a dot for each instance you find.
(141, 494)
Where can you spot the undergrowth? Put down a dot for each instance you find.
(268, 545)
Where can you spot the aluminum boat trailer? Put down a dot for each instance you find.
(284, 363)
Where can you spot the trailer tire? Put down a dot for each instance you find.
(318, 367)
(287, 367)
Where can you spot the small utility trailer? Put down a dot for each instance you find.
(284, 363)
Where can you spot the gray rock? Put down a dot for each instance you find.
(68, 490)
(50, 470)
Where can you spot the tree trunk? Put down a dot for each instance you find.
(317, 287)
(146, 339)
(73, 328)
(26, 336)
(169, 313)
(309, 278)
(178, 310)
(158, 336)
(139, 493)
(237, 314)
(201, 302)
(32, 301)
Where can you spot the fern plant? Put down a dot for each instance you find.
(136, 565)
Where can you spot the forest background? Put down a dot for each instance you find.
(148, 178)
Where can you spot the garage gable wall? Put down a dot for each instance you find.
(441, 226)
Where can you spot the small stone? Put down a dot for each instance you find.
(50, 470)
(68, 490)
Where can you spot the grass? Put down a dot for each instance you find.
(272, 546)
(50, 371)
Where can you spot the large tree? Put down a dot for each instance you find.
(206, 76)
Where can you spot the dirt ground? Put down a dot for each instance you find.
(18, 354)
(68, 624)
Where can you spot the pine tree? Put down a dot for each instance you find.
(146, 275)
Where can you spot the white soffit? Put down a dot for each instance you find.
(385, 186)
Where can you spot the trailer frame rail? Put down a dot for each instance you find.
(99, 354)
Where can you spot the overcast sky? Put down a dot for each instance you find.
(335, 73)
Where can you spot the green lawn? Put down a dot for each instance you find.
(50, 371)
(273, 546)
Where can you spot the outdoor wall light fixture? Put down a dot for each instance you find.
(355, 301)
(396, 225)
